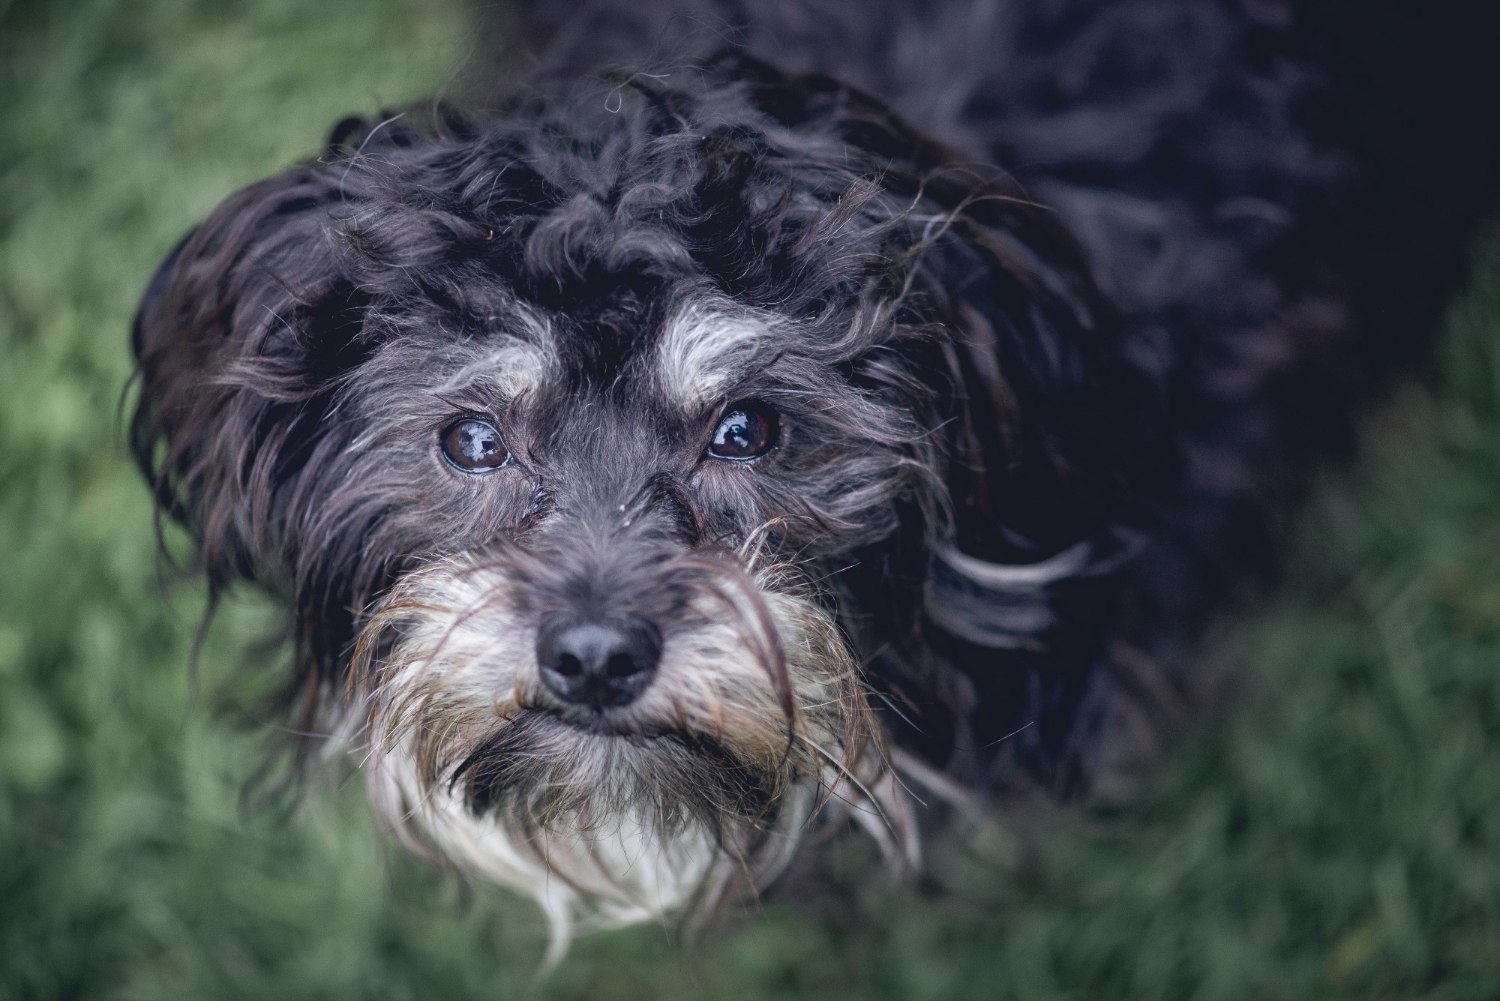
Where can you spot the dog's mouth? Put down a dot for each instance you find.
(601, 722)
(553, 768)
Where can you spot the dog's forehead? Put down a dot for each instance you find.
(681, 359)
(608, 378)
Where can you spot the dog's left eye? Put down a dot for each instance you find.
(474, 446)
(748, 429)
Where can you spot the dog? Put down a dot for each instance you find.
(748, 420)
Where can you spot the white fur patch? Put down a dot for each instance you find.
(1000, 605)
(1018, 576)
(707, 346)
(512, 366)
(609, 877)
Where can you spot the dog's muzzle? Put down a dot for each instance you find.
(616, 754)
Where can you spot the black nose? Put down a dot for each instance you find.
(598, 663)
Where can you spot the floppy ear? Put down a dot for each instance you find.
(240, 330)
(241, 341)
(1058, 451)
(1057, 462)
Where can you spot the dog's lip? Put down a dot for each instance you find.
(600, 723)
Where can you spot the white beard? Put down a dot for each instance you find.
(605, 840)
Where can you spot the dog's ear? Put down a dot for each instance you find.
(1058, 449)
(1057, 461)
(242, 330)
(1050, 457)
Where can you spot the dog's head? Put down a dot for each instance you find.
(641, 468)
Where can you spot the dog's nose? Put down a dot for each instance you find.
(598, 663)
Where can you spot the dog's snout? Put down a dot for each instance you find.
(598, 663)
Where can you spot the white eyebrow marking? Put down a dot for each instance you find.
(512, 365)
(707, 345)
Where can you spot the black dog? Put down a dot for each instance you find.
(827, 404)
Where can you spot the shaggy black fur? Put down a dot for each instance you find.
(1069, 284)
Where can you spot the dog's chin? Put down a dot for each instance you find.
(597, 819)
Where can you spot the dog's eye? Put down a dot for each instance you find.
(474, 446)
(748, 429)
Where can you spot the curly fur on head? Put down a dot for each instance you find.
(1020, 380)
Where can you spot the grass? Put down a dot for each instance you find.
(1336, 835)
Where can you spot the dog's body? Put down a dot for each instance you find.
(662, 463)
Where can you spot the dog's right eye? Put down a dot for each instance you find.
(747, 430)
(474, 446)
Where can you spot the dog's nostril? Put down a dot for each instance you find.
(598, 663)
(622, 665)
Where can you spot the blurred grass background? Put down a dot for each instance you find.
(1336, 835)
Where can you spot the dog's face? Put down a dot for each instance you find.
(629, 465)
(607, 666)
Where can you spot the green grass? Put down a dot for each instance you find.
(1335, 835)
